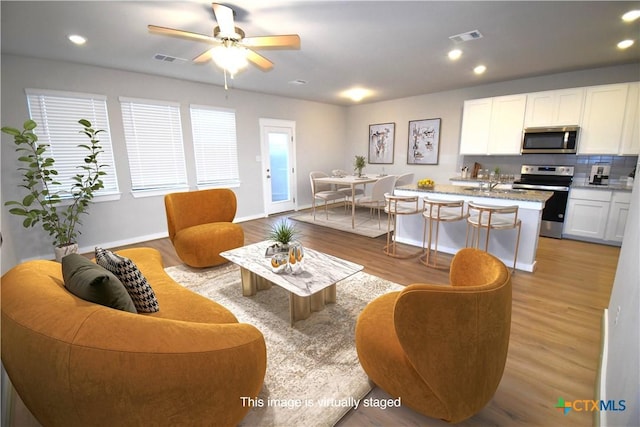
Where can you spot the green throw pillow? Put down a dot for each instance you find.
(93, 283)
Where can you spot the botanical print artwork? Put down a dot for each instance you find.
(381, 139)
(424, 141)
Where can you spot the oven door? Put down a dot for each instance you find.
(554, 209)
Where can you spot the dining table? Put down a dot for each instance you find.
(351, 181)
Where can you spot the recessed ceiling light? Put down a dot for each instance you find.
(625, 44)
(631, 16)
(356, 94)
(298, 82)
(455, 54)
(77, 39)
(480, 69)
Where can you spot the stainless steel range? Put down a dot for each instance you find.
(549, 178)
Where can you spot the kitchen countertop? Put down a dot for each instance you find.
(521, 195)
(617, 186)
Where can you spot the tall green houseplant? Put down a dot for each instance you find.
(47, 201)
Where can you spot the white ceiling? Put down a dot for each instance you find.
(396, 49)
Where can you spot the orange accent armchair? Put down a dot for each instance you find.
(442, 349)
(200, 225)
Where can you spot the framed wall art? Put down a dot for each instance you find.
(424, 142)
(381, 141)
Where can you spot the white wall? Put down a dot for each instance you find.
(320, 140)
(622, 375)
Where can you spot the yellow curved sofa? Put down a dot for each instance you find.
(75, 363)
(442, 349)
(201, 225)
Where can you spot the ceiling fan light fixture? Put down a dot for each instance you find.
(230, 57)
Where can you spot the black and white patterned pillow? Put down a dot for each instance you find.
(131, 277)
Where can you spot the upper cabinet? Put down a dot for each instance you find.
(630, 144)
(608, 116)
(493, 125)
(554, 107)
(476, 121)
(603, 119)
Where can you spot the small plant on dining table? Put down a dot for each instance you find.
(358, 164)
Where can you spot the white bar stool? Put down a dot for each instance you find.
(438, 211)
(394, 206)
(490, 218)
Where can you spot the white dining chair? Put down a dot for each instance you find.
(376, 199)
(405, 179)
(322, 191)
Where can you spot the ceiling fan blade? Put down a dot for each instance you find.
(260, 61)
(224, 17)
(182, 34)
(288, 41)
(203, 57)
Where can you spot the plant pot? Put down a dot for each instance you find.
(62, 251)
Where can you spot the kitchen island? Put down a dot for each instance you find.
(452, 237)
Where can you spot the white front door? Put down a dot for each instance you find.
(278, 165)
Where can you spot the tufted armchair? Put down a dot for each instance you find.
(200, 225)
(442, 349)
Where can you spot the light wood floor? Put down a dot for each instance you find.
(555, 334)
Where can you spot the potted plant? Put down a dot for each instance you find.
(57, 208)
(282, 233)
(359, 164)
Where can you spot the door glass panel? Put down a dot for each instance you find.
(279, 160)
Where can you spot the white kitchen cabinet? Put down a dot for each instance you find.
(596, 215)
(493, 125)
(507, 121)
(587, 217)
(476, 122)
(603, 119)
(630, 144)
(554, 108)
(618, 212)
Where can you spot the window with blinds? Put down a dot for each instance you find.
(215, 146)
(57, 115)
(153, 135)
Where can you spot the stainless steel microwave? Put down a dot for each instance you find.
(560, 139)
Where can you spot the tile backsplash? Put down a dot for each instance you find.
(621, 166)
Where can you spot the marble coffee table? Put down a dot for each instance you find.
(308, 290)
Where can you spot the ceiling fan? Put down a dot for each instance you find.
(232, 50)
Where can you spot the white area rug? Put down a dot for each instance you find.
(366, 224)
(313, 373)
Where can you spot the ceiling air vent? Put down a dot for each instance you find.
(465, 37)
(167, 58)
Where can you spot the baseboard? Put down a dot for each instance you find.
(599, 417)
(133, 240)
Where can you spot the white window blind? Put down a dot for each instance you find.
(57, 115)
(153, 135)
(215, 146)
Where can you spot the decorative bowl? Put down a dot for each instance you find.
(279, 262)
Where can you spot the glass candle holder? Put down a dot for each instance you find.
(296, 257)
